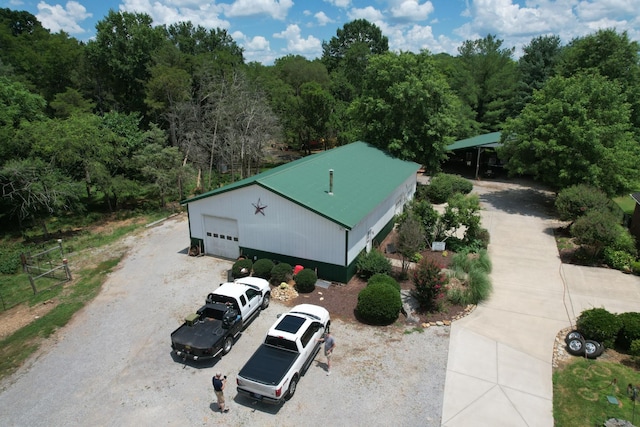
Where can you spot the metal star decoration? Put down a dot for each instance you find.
(259, 207)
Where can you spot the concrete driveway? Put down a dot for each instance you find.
(500, 357)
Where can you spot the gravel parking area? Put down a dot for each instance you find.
(112, 365)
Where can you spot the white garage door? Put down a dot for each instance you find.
(221, 237)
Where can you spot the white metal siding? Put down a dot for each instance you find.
(285, 227)
(379, 217)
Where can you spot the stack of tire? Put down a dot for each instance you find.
(577, 345)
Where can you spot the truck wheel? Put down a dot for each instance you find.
(592, 349)
(265, 300)
(292, 387)
(228, 343)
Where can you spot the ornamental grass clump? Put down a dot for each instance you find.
(429, 283)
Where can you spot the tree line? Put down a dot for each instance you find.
(156, 112)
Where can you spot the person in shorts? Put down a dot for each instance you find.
(219, 384)
(329, 345)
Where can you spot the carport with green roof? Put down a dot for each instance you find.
(470, 150)
(320, 211)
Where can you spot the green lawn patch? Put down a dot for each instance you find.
(582, 392)
(626, 203)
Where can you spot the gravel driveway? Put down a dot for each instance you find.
(112, 365)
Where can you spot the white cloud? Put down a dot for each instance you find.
(309, 47)
(171, 12)
(277, 9)
(339, 3)
(56, 18)
(411, 10)
(517, 25)
(369, 13)
(323, 19)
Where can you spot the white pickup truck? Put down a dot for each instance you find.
(211, 331)
(271, 375)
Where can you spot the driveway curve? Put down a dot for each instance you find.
(499, 371)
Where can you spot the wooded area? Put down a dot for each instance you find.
(157, 113)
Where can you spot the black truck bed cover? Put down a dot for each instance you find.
(268, 364)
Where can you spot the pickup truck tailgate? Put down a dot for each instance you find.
(268, 365)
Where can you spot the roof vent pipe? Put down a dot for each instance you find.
(331, 182)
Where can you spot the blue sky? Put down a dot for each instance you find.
(269, 29)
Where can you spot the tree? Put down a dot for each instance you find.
(575, 130)
(409, 241)
(406, 108)
(315, 106)
(614, 56)
(121, 54)
(536, 66)
(33, 189)
(17, 106)
(486, 80)
(366, 37)
(462, 212)
(596, 229)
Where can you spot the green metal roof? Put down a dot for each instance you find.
(486, 140)
(363, 177)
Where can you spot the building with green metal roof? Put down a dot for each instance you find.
(469, 153)
(320, 211)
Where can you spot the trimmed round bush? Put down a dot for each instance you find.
(630, 330)
(241, 268)
(600, 325)
(372, 263)
(306, 281)
(282, 272)
(262, 268)
(443, 186)
(384, 278)
(379, 304)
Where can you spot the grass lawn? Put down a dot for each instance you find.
(626, 203)
(581, 390)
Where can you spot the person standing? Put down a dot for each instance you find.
(329, 345)
(219, 384)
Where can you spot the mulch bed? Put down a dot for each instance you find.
(341, 299)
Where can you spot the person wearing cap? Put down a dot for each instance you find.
(219, 384)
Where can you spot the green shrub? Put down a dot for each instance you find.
(634, 350)
(600, 325)
(383, 278)
(620, 260)
(372, 263)
(575, 201)
(282, 272)
(443, 186)
(635, 267)
(379, 304)
(462, 261)
(630, 330)
(306, 281)
(429, 283)
(241, 268)
(9, 257)
(262, 268)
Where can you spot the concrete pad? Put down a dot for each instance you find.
(527, 301)
(589, 287)
(465, 349)
(518, 370)
(536, 411)
(492, 409)
(531, 334)
(462, 390)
